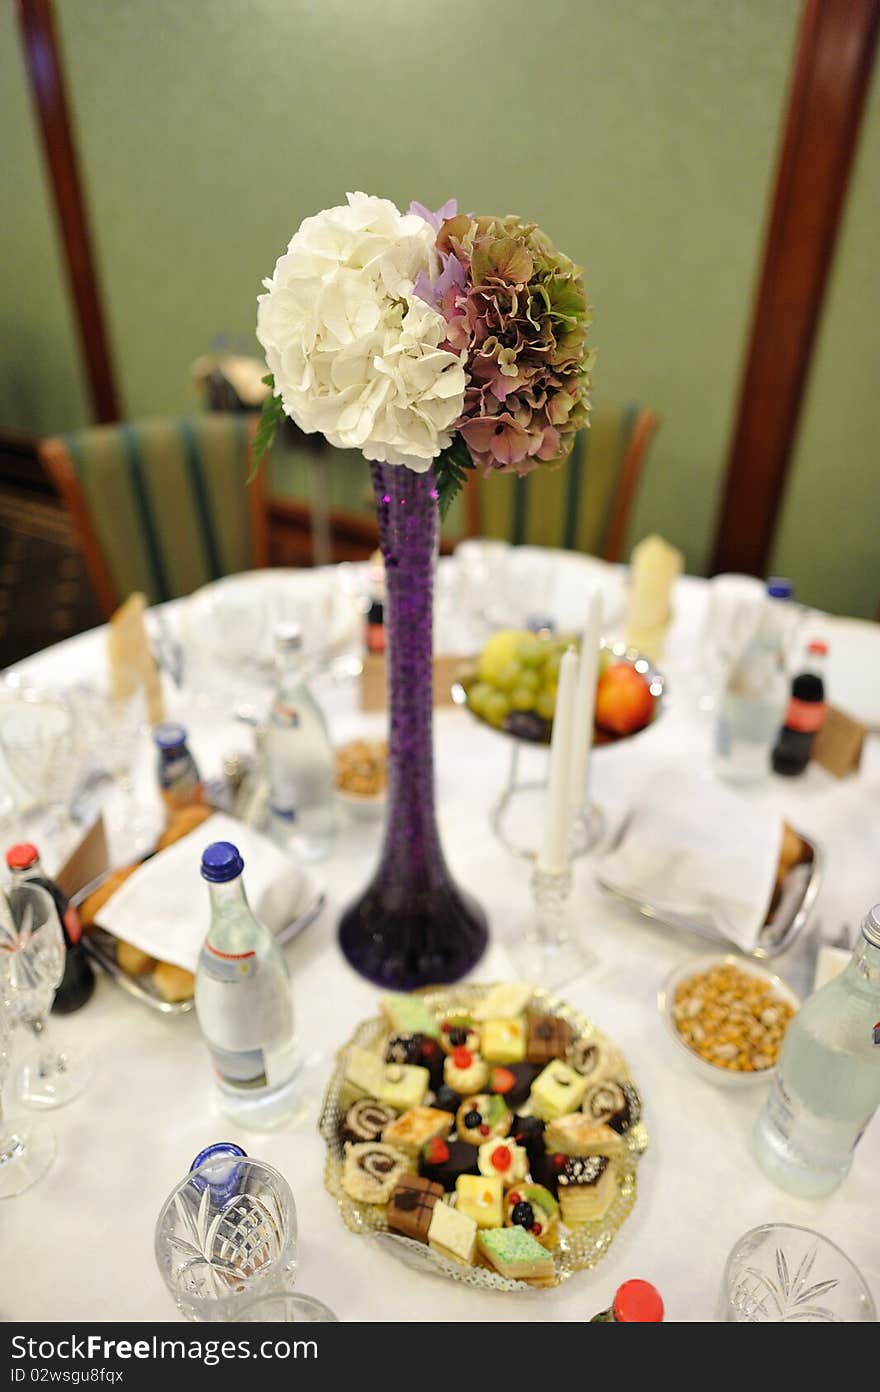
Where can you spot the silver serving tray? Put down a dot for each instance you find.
(799, 890)
(100, 946)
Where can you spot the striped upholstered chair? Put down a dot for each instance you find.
(161, 505)
(583, 506)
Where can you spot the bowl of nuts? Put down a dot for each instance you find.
(728, 1015)
(361, 773)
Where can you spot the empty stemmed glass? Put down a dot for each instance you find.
(226, 1233)
(38, 739)
(32, 964)
(26, 1151)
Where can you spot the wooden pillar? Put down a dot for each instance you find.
(832, 73)
(46, 77)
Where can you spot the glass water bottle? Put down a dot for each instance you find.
(827, 1084)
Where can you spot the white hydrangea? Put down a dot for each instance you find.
(354, 354)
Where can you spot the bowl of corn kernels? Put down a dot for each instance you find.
(728, 1015)
(361, 775)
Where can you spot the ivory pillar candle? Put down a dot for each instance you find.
(553, 855)
(584, 706)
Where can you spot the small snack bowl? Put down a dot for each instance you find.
(361, 770)
(778, 994)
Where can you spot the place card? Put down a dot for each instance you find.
(839, 743)
(373, 685)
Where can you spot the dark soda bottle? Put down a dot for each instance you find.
(804, 714)
(78, 981)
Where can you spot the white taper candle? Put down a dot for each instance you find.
(585, 705)
(553, 855)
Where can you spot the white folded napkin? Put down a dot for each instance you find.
(163, 908)
(693, 848)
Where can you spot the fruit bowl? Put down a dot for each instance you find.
(506, 711)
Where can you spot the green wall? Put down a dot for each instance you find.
(641, 133)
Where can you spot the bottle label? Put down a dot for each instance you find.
(285, 716)
(243, 1069)
(228, 967)
(72, 925)
(806, 716)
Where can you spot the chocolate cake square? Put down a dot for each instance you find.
(411, 1206)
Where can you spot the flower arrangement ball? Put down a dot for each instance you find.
(425, 338)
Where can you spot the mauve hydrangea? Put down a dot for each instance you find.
(517, 307)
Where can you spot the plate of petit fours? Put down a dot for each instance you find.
(489, 1134)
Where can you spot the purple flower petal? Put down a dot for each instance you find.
(436, 220)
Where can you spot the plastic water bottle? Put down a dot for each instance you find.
(243, 1000)
(299, 756)
(827, 1085)
(754, 699)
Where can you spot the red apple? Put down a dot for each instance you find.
(624, 702)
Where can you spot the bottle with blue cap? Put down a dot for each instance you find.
(755, 696)
(243, 1000)
(180, 782)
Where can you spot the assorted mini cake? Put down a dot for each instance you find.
(482, 1129)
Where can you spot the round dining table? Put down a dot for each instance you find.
(79, 1244)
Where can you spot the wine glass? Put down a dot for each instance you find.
(38, 739)
(26, 1152)
(32, 953)
(226, 1233)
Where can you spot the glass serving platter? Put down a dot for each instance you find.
(578, 1249)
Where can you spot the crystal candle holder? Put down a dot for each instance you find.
(551, 952)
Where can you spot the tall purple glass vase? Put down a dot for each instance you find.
(412, 926)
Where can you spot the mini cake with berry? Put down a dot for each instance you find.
(512, 1081)
(465, 1072)
(503, 1158)
(482, 1118)
(459, 1031)
(534, 1208)
(443, 1161)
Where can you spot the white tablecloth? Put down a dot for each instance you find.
(79, 1245)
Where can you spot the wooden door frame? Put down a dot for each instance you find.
(832, 73)
(45, 73)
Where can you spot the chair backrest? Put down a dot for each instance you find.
(161, 505)
(582, 506)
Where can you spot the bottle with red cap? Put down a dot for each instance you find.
(636, 1302)
(804, 715)
(78, 981)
